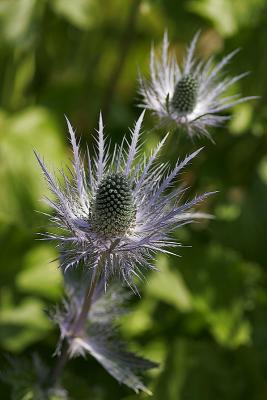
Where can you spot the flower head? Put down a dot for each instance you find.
(119, 210)
(191, 96)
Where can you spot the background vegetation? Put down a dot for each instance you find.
(204, 317)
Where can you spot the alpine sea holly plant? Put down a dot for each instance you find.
(113, 213)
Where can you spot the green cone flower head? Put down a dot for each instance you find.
(185, 95)
(113, 209)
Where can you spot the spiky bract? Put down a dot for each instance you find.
(100, 337)
(191, 96)
(120, 209)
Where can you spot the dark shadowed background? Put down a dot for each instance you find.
(204, 316)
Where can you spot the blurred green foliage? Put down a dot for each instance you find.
(203, 316)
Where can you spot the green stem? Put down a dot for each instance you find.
(87, 301)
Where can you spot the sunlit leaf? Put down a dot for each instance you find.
(40, 276)
(81, 13)
(22, 185)
(23, 324)
(169, 286)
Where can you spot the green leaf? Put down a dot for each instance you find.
(40, 276)
(197, 369)
(226, 15)
(168, 285)
(23, 324)
(17, 19)
(81, 13)
(223, 288)
(22, 184)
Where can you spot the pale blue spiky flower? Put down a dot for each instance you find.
(192, 96)
(119, 208)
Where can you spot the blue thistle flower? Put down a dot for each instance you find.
(191, 96)
(120, 210)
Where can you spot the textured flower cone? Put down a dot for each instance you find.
(185, 95)
(113, 210)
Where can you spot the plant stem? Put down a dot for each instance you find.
(59, 366)
(87, 301)
(77, 327)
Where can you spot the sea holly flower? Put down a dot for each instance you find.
(117, 210)
(191, 96)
